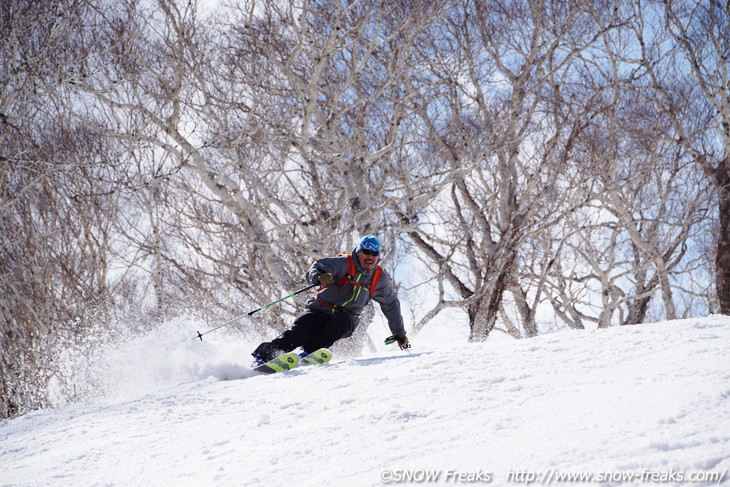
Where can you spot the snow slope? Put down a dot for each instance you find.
(623, 406)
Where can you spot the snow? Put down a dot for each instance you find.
(639, 405)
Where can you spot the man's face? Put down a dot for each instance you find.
(367, 260)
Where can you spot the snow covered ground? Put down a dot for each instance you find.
(637, 405)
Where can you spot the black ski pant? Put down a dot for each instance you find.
(312, 330)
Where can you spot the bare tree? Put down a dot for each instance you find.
(288, 117)
(683, 73)
(501, 125)
(633, 239)
(55, 204)
(633, 242)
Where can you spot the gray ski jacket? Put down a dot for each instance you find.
(352, 298)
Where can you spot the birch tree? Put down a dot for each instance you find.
(55, 204)
(683, 74)
(633, 240)
(500, 122)
(284, 120)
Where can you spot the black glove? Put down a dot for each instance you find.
(402, 341)
(326, 279)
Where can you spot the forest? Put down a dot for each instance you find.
(535, 164)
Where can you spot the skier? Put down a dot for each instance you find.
(347, 282)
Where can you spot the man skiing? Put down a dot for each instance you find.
(348, 282)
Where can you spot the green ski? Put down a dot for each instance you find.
(283, 362)
(317, 357)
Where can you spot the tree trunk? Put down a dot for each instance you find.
(637, 310)
(722, 259)
(482, 320)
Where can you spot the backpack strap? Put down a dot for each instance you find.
(351, 269)
(376, 278)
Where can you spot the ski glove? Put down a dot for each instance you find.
(402, 341)
(326, 279)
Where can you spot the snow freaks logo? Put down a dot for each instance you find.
(420, 476)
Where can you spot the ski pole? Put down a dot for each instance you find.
(200, 335)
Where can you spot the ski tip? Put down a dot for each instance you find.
(279, 364)
(320, 356)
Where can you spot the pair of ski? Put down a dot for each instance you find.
(290, 360)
